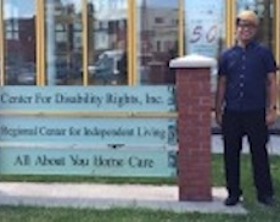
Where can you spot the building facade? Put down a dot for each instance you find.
(118, 42)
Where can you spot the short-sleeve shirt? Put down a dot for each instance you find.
(246, 71)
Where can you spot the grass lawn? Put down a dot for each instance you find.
(257, 213)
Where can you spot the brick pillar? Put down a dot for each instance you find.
(194, 126)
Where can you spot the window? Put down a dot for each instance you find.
(108, 42)
(64, 53)
(158, 40)
(20, 42)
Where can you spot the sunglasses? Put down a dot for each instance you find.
(246, 25)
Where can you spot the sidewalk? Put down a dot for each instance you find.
(104, 196)
(273, 144)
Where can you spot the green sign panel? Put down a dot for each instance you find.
(88, 99)
(92, 162)
(91, 131)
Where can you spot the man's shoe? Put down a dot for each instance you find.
(267, 201)
(232, 200)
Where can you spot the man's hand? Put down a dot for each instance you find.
(271, 117)
(271, 112)
(219, 99)
(219, 116)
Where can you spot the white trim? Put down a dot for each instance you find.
(193, 61)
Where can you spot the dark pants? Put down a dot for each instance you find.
(235, 126)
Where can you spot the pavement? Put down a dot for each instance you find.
(273, 145)
(104, 196)
(107, 196)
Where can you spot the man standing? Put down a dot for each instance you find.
(246, 105)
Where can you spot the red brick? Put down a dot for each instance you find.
(194, 107)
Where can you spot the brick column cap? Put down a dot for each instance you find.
(193, 61)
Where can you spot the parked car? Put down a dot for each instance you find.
(110, 67)
(26, 74)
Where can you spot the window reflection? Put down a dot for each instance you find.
(64, 41)
(108, 42)
(158, 35)
(20, 42)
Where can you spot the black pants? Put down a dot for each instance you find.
(235, 125)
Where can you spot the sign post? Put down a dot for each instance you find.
(194, 126)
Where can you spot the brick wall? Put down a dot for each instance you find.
(194, 108)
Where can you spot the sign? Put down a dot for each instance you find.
(88, 99)
(153, 163)
(204, 21)
(90, 131)
(39, 141)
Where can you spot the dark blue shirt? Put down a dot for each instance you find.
(246, 71)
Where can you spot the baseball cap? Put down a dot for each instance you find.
(248, 16)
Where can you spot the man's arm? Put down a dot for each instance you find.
(219, 98)
(272, 97)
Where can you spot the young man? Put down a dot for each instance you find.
(246, 105)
